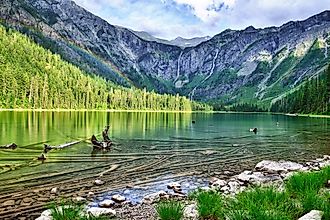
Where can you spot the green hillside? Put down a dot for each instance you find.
(34, 78)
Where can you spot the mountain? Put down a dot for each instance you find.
(34, 78)
(179, 41)
(250, 65)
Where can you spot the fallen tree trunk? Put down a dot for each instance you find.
(9, 146)
(49, 147)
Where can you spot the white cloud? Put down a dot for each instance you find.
(190, 18)
(207, 9)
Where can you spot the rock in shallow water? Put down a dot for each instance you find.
(153, 197)
(118, 198)
(108, 203)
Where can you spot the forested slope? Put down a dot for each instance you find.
(311, 98)
(34, 78)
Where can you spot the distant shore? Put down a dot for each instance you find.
(161, 111)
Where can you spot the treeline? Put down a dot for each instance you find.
(312, 98)
(247, 107)
(34, 78)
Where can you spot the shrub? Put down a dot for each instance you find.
(170, 210)
(209, 205)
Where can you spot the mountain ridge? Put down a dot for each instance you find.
(250, 65)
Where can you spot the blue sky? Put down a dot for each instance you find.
(169, 19)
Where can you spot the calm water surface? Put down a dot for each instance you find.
(154, 145)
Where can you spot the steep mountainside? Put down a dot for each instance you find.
(234, 66)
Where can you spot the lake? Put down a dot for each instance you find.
(149, 147)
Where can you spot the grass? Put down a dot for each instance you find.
(209, 205)
(71, 211)
(170, 210)
(304, 191)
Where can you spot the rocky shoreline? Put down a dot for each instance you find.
(265, 172)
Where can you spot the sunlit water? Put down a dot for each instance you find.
(151, 146)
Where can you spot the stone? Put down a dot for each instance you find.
(45, 215)
(118, 198)
(27, 201)
(312, 215)
(108, 203)
(98, 182)
(153, 197)
(190, 212)
(276, 167)
(54, 190)
(174, 185)
(234, 187)
(90, 194)
(96, 212)
(9, 203)
(219, 183)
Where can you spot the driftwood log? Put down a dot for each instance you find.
(49, 147)
(106, 143)
(11, 146)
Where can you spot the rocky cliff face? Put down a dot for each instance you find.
(248, 65)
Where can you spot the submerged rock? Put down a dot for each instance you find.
(54, 190)
(312, 215)
(9, 203)
(98, 182)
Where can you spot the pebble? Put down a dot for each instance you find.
(54, 190)
(98, 182)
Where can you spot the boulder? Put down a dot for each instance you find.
(190, 212)
(312, 215)
(96, 212)
(108, 203)
(118, 198)
(258, 178)
(276, 167)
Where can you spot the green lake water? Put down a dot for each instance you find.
(213, 144)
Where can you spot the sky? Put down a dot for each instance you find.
(169, 19)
